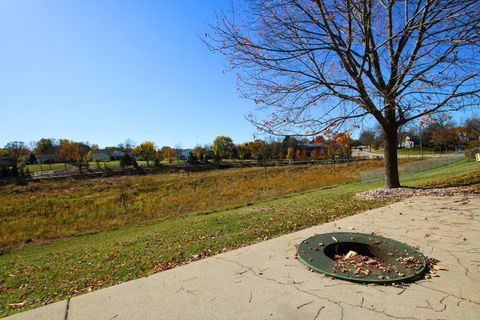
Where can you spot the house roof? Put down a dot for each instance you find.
(7, 161)
(313, 145)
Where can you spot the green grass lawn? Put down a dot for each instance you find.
(38, 274)
(403, 151)
(46, 167)
(463, 172)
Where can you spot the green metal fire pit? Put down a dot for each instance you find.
(364, 258)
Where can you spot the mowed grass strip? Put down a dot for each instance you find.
(406, 151)
(50, 210)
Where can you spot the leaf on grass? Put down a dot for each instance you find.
(18, 305)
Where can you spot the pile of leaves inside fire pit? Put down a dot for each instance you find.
(361, 265)
(410, 262)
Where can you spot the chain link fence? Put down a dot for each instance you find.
(407, 169)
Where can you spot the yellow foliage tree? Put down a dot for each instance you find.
(146, 150)
(168, 153)
(290, 153)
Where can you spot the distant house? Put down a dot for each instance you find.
(186, 153)
(407, 142)
(309, 147)
(459, 149)
(359, 148)
(48, 158)
(7, 162)
(109, 154)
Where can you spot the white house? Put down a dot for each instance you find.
(108, 154)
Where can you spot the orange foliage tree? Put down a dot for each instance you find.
(69, 152)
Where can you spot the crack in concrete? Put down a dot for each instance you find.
(337, 303)
(305, 304)
(465, 268)
(318, 312)
(189, 279)
(361, 306)
(67, 308)
(450, 294)
(429, 306)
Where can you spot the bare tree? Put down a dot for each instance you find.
(316, 66)
(17, 150)
(128, 145)
(367, 137)
(472, 126)
(178, 152)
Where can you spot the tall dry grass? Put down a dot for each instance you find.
(50, 210)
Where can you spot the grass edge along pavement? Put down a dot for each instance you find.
(35, 275)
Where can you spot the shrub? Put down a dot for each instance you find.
(126, 160)
(14, 171)
(192, 158)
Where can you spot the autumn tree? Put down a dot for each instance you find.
(17, 150)
(290, 153)
(222, 146)
(167, 153)
(235, 153)
(317, 66)
(303, 154)
(68, 151)
(159, 155)
(259, 149)
(45, 146)
(472, 128)
(344, 141)
(244, 151)
(314, 154)
(199, 152)
(298, 155)
(273, 150)
(444, 136)
(331, 150)
(146, 150)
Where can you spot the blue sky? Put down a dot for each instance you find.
(104, 71)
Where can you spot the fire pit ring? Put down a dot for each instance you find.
(360, 257)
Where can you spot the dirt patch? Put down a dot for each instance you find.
(381, 194)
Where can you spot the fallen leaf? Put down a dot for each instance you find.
(350, 255)
(18, 305)
(439, 268)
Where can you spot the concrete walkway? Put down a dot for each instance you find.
(263, 281)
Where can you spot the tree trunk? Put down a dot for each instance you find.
(391, 160)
